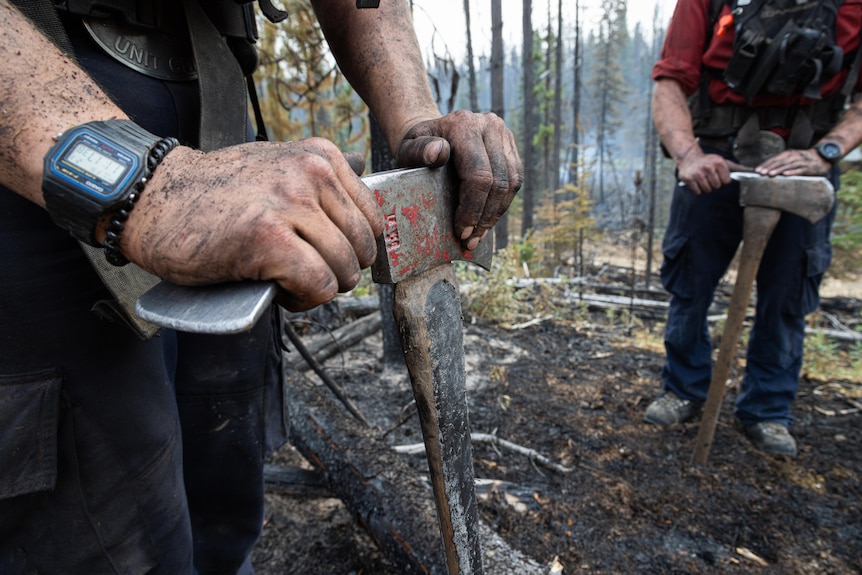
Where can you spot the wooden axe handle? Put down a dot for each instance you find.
(757, 228)
(427, 310)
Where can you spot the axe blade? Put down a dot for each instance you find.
(419, 205)
(810, 197)
(216, 309)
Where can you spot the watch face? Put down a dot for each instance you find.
(94, 165)
(829, 151)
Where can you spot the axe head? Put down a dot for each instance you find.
(810, 197)
(419, 207)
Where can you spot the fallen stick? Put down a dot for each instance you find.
(318, 369)
(296, 481)
(532, 322)
(836, 412)
(417, 448)
(325, 346)
(838, 334)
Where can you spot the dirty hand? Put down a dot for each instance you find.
(795, 163)
(291, 212)
(484, 156)
(703, 173)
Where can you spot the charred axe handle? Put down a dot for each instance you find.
(764, 199)
(414, 253)
(427, 310)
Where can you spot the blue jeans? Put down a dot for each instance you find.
(701, 239)
(116, 454)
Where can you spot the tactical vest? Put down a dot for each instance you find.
(781, 48)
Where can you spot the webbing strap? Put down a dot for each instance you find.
(44, 15)
(224, 109)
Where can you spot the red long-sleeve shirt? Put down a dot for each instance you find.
(683, 55)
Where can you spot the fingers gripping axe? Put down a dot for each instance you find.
(764, 199)
(415, 253)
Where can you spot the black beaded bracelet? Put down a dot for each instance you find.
(117, 225)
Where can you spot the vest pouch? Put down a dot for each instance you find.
(749, 44)
(29, 411)
(801, 56)
(829, 64)
(767, 63)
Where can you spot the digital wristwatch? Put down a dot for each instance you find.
(829, 151)
(92, 170)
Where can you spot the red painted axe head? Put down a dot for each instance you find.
(419, 207)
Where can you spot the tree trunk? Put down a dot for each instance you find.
(501, 230)
(471, 68)
(529, 118)
(574, 171)
(652, 159)
(546, 112)
(382, 492)
(558, 100)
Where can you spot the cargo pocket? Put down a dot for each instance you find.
(818, 259)
(29, 407)
(674, 274)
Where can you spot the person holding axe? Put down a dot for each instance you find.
(759, 86)
(123, 141)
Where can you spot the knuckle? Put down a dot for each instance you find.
(483, 180)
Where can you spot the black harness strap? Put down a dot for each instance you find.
(44, 15)
(224, 114)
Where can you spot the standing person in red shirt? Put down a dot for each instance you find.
(718, 109)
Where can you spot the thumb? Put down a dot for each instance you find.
(735, 167)
(356, 161)
(428, 151)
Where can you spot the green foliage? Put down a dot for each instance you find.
(301, 90)
(847, 231)
(563, 224)
(492, 295)
(819, 356)
(524, 249)
(365, 286)
(827, 359)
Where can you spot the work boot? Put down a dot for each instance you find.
(772, 437)
(669, 408)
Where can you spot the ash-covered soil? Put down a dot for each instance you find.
(574, 389)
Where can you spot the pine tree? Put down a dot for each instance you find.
(609, 91)
(302, 92)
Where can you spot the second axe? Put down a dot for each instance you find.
(764, 199)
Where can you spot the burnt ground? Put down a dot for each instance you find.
(574, 389)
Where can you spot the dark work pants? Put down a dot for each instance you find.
(118, 455)
(702, 237)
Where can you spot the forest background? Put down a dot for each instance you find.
(576, 94)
